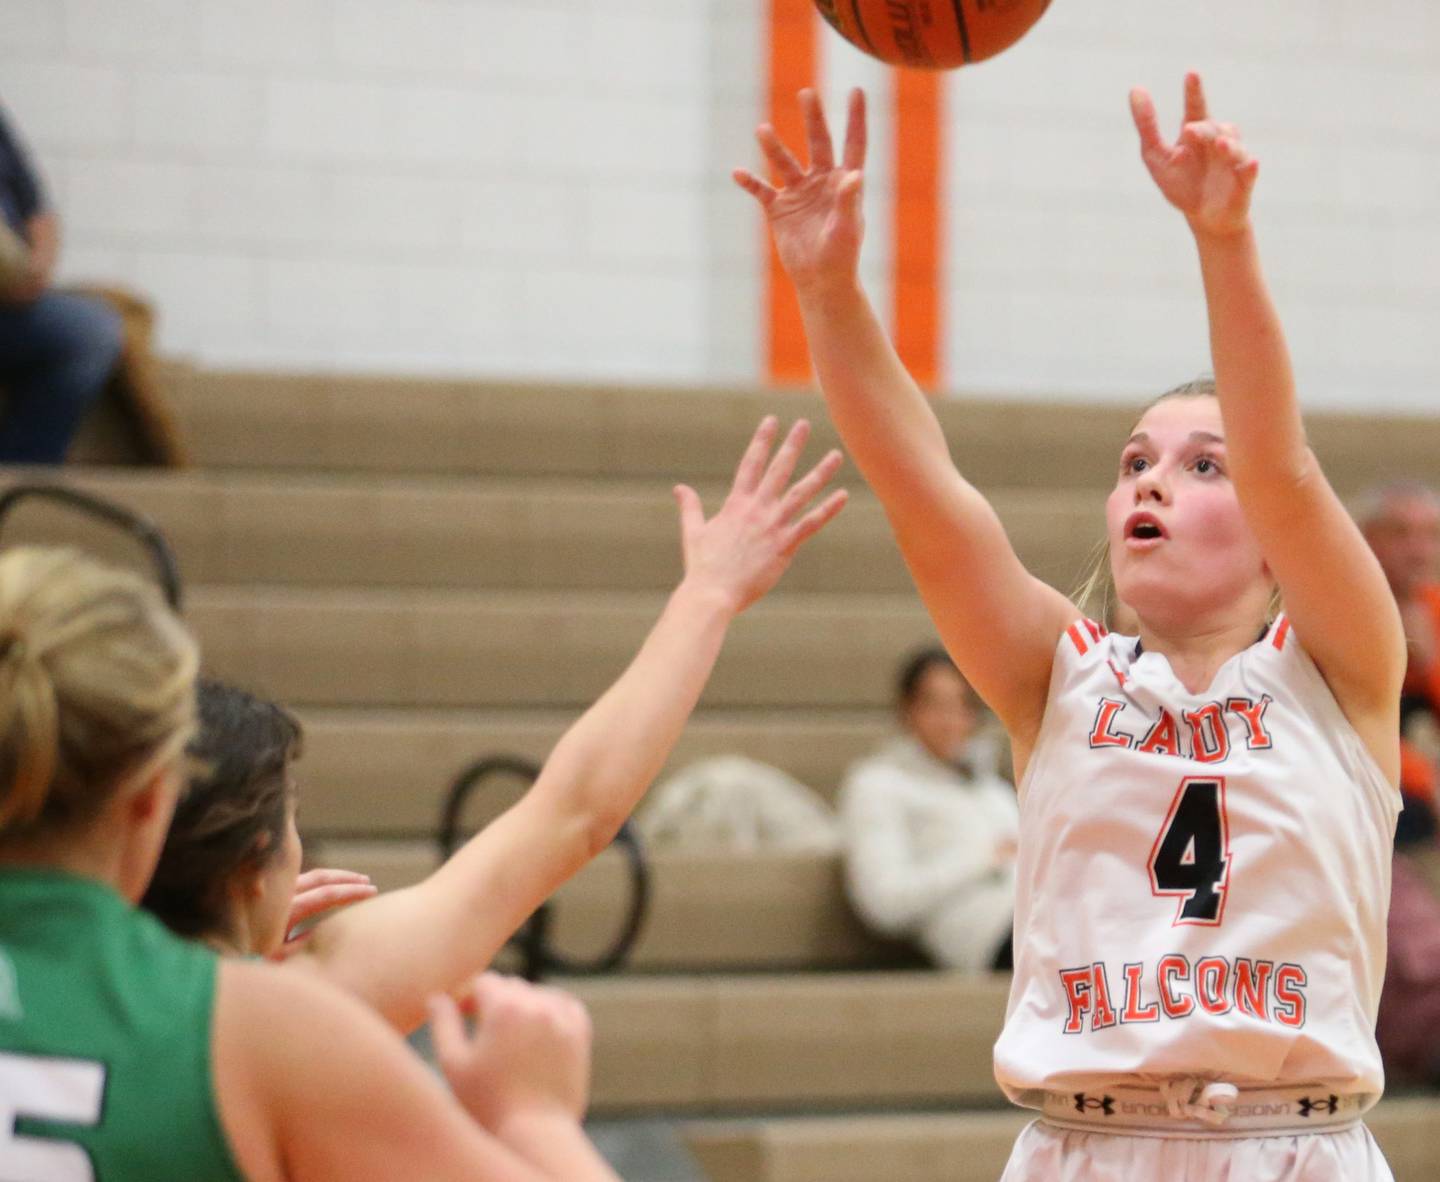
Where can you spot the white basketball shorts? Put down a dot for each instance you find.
(1048, 1153)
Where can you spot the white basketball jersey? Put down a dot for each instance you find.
(1203, 879)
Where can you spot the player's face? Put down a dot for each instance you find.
(1406, 540)
(1179, 546)
(940, 714)
(279, 878)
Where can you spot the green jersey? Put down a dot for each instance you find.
(104, 1040)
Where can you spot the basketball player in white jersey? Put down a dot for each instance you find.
(1207, 807)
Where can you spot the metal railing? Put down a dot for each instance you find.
(540, 957)
(141, 529)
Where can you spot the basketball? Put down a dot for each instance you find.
(932, 34)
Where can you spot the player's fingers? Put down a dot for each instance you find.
(804, 490)
(786, 167)
(752, 464)
(782, 467)
(566, 1011)
(447, 1028)
(290, 946)
(327, 877)
(752, 184)
(692, 512)
(855, 135)
(489, 994)
(851, 188)
(1196, 108)
(816, 520)
(1142, 110)
(1200, 136)
(1234, 151)
(817, 131)
(319, 899)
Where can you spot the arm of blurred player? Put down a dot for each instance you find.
(396, 950)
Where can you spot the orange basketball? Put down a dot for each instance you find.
(932, 34)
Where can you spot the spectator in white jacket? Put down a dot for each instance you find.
(929, 828)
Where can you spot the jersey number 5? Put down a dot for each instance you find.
(1191, 855)
(67, 1091)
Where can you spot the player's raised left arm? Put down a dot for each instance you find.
(398, 949)
(1334, 590)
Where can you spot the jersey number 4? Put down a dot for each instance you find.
(65, 1091)
(1191, 855)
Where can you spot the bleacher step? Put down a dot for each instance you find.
(497, 533)
(545, 649)
(384, 773)
(366, 423)
(718, 1044)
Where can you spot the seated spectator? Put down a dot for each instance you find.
(57, 349)
(930, 830)
(1402, 524)
(1408, 1026)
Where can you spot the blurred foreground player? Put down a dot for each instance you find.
(129, 1055)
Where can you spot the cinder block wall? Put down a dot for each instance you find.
(539, 187)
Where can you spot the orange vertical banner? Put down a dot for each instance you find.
(918, 247)
(794, 49)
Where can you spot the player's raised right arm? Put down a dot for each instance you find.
(1000, 624)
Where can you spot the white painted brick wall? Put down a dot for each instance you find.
(1068, 273)
(539, 187)
(33, 26)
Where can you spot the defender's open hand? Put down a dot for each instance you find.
(743, 550)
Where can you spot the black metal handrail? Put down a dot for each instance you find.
(139, 527)
(533, 938)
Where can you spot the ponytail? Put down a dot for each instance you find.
(28, 718)
(96, 687)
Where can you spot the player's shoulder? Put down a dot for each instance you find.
(283, 991)
(281, 1022)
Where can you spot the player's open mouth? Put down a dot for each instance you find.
(1143, 530)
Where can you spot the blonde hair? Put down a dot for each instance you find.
(1095, 595)
(97, 688)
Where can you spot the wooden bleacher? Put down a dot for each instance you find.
(433, 571)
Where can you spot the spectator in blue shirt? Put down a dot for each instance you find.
(57, 349)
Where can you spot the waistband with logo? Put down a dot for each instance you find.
(1205, 1108)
